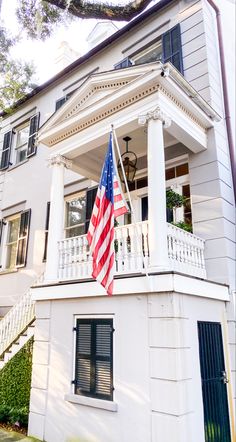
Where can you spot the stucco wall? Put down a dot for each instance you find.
(156, 369)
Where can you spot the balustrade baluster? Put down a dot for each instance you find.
(139, 249)
(132, 247)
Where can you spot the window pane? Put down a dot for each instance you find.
(75, 231)
(20, 155)
(175, 40)
(143, 182)
(186, 191)
(13, 230)
(170, 173)
(75, 211)
(167, 46)
(145, 208)
(182, 169)
(11, 256)
(150, 55)
(22, 136)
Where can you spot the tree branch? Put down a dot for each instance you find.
(93, 9)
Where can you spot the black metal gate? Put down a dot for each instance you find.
(214, 379)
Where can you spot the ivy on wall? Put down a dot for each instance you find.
(15, 378)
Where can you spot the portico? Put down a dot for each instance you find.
(156, 107)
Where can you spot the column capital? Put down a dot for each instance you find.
(156, 114)
(59, 160)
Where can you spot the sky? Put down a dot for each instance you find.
(43, 53)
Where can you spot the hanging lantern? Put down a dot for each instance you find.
(129, 161)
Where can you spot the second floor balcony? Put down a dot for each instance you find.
(131, 244)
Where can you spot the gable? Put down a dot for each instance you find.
(94, 90)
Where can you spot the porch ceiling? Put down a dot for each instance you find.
(90, 163)
(119, 97)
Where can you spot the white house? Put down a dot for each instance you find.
(155, 361)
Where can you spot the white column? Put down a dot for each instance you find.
(157, 228)
(56, 219)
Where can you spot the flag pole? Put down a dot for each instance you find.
(131, 205)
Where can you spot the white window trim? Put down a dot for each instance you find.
(4, 243)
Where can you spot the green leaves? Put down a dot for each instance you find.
(15, 381)
(174, 199)
(38, 18)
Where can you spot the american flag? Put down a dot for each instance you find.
(109, 204)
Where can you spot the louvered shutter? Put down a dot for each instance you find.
(90, 199)
(123, 63)
(6, 151)
(93, 368)
(33, 130)
(103, 359)
(172, 48)
(1, 227)
(60, 102)
(23, 238)
(46, 232)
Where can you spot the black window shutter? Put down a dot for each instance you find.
(46, 231)
(94, 358)
(103, 360)
(23, 238)
(6, 150)
(33, 130)
(123, 64)
(1, 227)
(60, 102)
(83, 372)
(90, 199)
(172, 48)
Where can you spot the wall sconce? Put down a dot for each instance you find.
(129, 163)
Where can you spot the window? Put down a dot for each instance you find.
(79, 209)
(149, 54)
(94, 358)
(62, 100)
(12, 239)
(123, 63)
(22, 136)
(166, 48)
(75, 215)
(23, 140)
(17, 239)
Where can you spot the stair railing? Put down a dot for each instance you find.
(17, 320)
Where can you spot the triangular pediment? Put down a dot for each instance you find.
(94, 91)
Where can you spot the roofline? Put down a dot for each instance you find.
(91, 53)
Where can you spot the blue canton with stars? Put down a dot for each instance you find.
(108, 173)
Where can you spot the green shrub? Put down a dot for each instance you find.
(4, 413)
(184, 226)
(19, 416)
(15, 382)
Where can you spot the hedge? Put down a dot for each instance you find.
(15, 382)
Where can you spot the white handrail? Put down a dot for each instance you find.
(16, 320)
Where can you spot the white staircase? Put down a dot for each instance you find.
(16, 328)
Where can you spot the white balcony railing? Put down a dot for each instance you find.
(185, 251)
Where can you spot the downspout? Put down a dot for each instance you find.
(225, 93)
